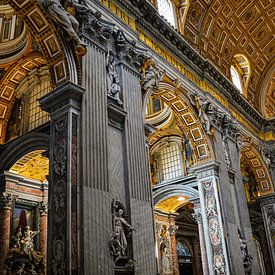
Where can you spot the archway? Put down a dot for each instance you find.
(38, 44)
(24, 218)
(175, 97)
(257, 185)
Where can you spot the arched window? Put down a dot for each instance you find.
(165, 8)
(240, 72)
(236, 79)
(167, 159)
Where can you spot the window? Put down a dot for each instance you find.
(240, 72)
(166, 160)
(165, 9)
(170, 158)
(236, 78)
(154, 105)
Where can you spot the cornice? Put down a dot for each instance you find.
(149, 19)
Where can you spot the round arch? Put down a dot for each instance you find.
(55, 52)
(166, 192)
(261, 173)
(186, 118)
(21, 146)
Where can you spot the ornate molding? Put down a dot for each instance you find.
(149, 19)
(99, 30)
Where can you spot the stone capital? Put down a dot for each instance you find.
(7, 200)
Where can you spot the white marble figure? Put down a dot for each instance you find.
(120, 227)
(26, 242)
(113, 86)
(67, 22)
(151, 76)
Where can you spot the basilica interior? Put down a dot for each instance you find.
(137, 137)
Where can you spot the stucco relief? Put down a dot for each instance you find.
(214, 228)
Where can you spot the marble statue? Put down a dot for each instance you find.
(68, 24)
(247, 259)
(204, 108)
(165, 258)
(151, 76)
(188, 154)
(121, 228)
(26, 242)
(113, 86)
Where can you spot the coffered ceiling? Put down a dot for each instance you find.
(221, 29)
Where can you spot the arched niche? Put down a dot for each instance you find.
(260, 171)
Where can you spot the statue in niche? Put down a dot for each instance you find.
(26, 242)
(121, 231)
(69, 26)
(188, 154)
(22, 257)
(151, 76)
(226, 154)
(113, 86)
(165, 257)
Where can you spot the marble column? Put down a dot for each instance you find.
(197, 216)
(43, 229)
(197, 263)
(175, 260)
(268, 211)
(212, 220)
(63, 105)
(6, 205)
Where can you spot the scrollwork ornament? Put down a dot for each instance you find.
(58, 261)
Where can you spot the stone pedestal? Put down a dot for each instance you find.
(6, 205)
(63, 105)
